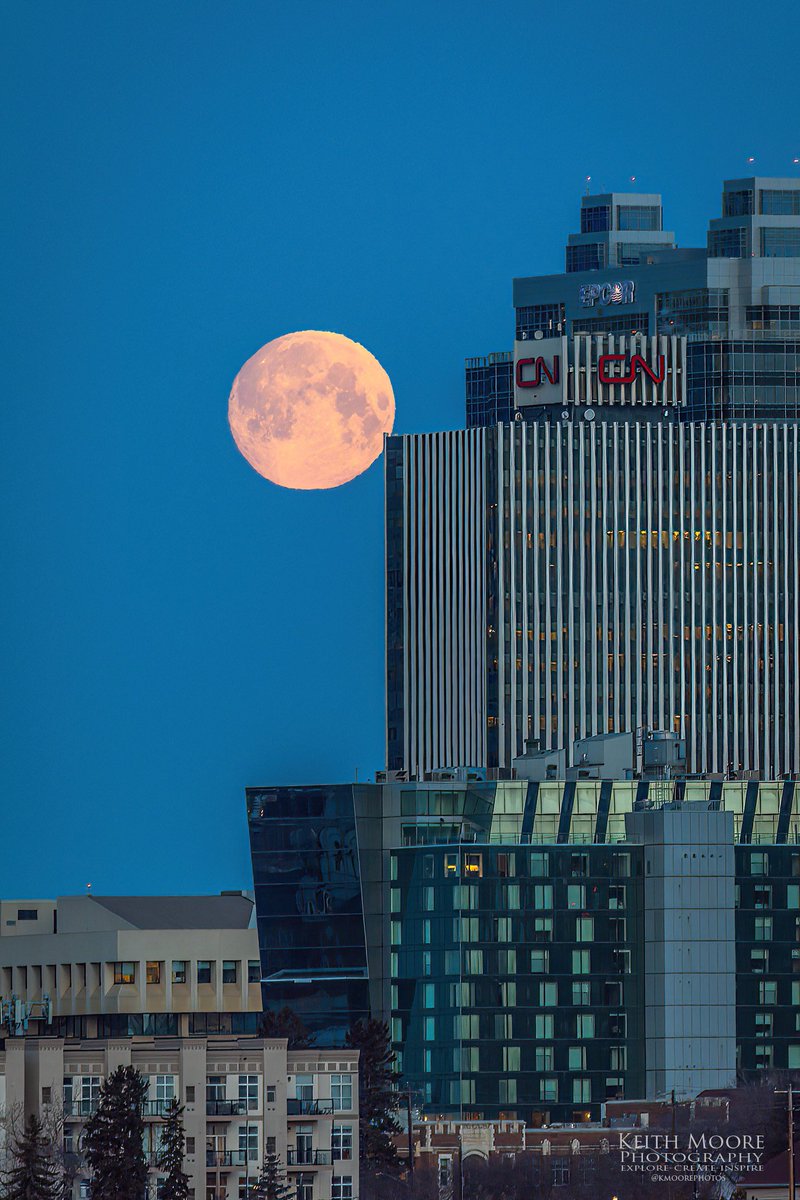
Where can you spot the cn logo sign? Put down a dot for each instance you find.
(540, 370)
(630, 366)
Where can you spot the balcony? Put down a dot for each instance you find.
(229, 1158)
(155, 1108)
(226, 1108)
(309, 1108)
(80, 1108)
(308, 1158)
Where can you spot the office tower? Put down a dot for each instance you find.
(614, 542)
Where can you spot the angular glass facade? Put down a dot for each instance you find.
(308, 889)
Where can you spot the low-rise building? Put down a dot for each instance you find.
(171, 986)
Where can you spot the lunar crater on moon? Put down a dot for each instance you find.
(309, 410)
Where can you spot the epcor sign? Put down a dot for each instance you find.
(622, 292)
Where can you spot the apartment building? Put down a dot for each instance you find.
(171, 986)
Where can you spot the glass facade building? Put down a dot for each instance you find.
(510, 932)
(738, 298)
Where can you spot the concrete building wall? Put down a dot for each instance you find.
(689, 949)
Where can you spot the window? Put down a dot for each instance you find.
(577, 1058)
(450, 865)
(727, 243)
(473, 865)
(124, 972)
(179, 971)
(229, 971)
(270, 1092)
(165, 1088)
(763, 1024)
(248, 1090)
(543, 895)
(540, 864)
(154, 972)
(342, 1187)
(762, 896)
(581, 993)
(505, 865)
(543, 929)
(794, 1058)
(763, 929)
(783, 202)
(203, 971)
(767, 991)
(596, 218)
(342, 1142)
(27, 914)
(581, 1091)
(764, 1056)
(619, 1058)
(576, 895)
(638, 216)
(780, 243)
(738, 204)
(548, 995)
(190, 1093)
(759, 961)
(342, 1092)
(580, 962)
(215, 1088)
(590, 257)
(793, 895)
(759, 863)
(540, 961)
(543, 1026)
(543, 1058)
(248, 1142)
(584, 1025)
(584, 929)
(254, 971)
(548, 1089)
(579, 864)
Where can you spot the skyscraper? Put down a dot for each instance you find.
(614, 542)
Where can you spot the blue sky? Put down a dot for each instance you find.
(187, 181)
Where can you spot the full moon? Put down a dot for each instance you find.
(309, 410)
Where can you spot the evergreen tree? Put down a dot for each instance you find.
(170, 1160)
(377, 1095)
(272, 1183)
(34, 1175)
(285, 1023)
(113, 1137)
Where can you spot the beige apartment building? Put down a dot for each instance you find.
(170, 985)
